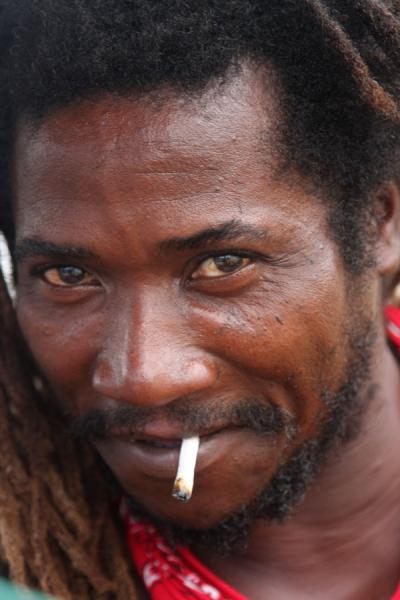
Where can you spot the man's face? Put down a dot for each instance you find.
(163, 268)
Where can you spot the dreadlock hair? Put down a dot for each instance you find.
(56, 531)
(338, 64)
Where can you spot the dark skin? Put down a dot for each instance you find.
(149, 317)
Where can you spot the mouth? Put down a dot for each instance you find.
(154, 443)
(156, 456)
(163, 436)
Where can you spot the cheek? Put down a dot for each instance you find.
(62, 343)
(292, 345)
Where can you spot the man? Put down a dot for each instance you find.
(202, 206)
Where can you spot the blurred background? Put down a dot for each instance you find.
(5, 262)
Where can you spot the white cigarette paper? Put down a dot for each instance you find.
(183, 485)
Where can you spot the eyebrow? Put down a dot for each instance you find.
(29, 247)
(228, 231)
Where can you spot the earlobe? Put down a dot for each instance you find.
(387, 222)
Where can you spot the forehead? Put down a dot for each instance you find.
(126, 159)
(241, 110)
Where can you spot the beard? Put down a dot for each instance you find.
(345, 410)
(286, 490)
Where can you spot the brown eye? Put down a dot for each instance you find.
(218, 266)
(68, 276)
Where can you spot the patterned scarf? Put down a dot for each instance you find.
(170, 574)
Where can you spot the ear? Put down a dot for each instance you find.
(387, 223)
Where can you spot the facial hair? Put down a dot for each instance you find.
(345, 410)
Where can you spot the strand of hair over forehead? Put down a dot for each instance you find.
(57, 531)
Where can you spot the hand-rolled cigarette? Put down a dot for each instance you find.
(183, 485)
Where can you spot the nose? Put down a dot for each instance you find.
(148, 357)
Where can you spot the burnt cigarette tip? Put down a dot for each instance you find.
(180, 491)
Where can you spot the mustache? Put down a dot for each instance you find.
(249, 413)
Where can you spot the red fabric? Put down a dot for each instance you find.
(392, 316)
(396, 595)
(170, 574)
(177, 574)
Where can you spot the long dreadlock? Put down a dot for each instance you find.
(57, 528)
(56, 532)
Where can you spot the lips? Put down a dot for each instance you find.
(163, 431)
(158, 443)
(157, 456)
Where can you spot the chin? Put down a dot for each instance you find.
(224, 534)
(200, 512)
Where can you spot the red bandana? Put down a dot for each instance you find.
(170, 574)
(392, 316)
(396, 595)
(175, 574)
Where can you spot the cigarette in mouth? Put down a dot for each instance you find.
(183, 485)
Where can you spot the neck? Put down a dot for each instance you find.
(350, 518)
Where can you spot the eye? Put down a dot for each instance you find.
(218, 266)
(68, 276)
